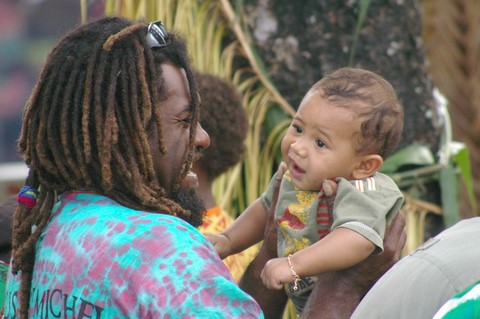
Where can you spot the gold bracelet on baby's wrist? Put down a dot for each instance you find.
(296, 277)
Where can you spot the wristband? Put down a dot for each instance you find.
(296, 277)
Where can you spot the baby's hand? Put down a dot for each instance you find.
(221, 244)
(276, 273)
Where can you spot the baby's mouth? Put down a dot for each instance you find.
(296, 170)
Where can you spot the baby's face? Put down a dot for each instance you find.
(318, 144)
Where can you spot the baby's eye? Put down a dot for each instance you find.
(320, 143)
(297, 128)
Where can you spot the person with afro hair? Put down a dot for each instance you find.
(225, 120)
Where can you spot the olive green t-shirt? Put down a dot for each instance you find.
(365, 206)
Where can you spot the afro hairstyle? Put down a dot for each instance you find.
(224, 118)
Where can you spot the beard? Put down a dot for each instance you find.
(189, 200)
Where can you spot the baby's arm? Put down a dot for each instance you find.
(340, 249)
(247, 230)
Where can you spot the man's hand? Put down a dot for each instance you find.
(272, 302)
(270, 237)
(375, 266)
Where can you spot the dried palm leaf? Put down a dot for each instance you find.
(451, 31)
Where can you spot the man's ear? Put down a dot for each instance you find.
(367, 166)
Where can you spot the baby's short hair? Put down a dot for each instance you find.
(371, 97)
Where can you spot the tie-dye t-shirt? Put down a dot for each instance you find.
(98, 259)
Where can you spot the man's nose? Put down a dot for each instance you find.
(202, 140)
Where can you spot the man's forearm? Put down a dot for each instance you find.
(332, 298)
(272, 302)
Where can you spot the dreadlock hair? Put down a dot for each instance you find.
(224, 118)
(373, 99)
(91, 112)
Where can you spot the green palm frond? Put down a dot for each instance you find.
(242, 36)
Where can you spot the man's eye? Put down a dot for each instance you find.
(320, 144)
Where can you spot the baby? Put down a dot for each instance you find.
(345, 127)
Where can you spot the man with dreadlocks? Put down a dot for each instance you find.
(105, 228)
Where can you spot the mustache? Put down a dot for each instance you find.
(197, 153)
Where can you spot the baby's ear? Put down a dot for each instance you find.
(367, 166)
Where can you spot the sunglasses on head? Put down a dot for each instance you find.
(156, 35)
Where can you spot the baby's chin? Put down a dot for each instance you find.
(302, 186)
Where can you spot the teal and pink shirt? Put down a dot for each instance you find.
(98, 259)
